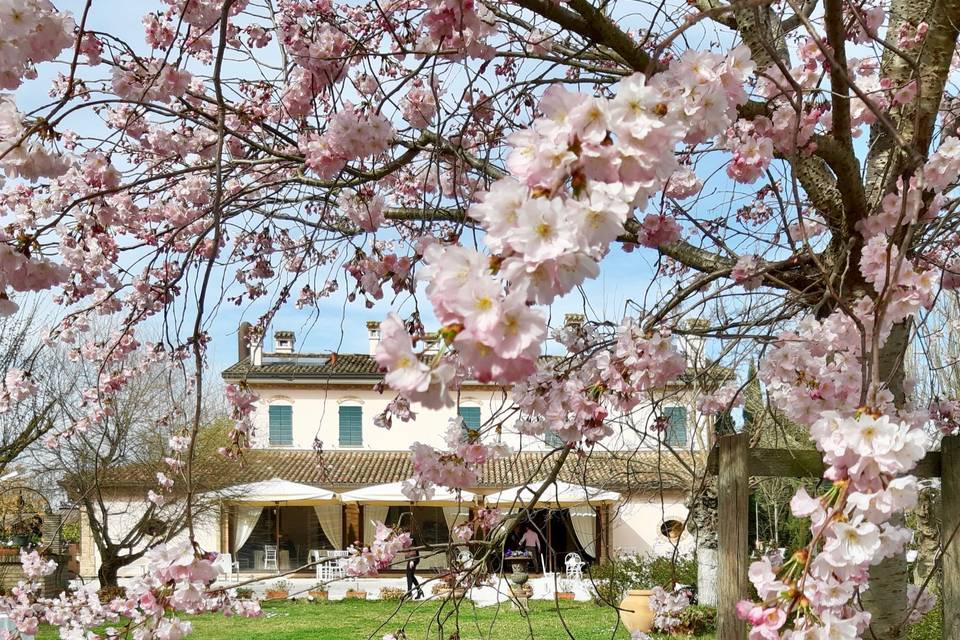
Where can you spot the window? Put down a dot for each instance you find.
(672, 529)
(676, 435)
(351, 426)
(471, 417)
(281, 425)
(552, 439)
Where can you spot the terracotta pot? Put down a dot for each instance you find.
(565, 595)
(320, 595)
(277, 595)
(356, 595)
(635, 611)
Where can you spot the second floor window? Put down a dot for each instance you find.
(351, 426)
(471, 417)
(281, 425)
(552, 439)
(676, 435)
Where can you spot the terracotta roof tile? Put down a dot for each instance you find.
(305, 366)
(343, 470)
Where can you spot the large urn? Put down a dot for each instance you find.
(635, 611)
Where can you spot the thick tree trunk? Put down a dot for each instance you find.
(107, 573)
(707, 576)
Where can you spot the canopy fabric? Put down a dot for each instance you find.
(557, 494)
(392, 493)
(271, 492)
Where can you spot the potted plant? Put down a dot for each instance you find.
(355, 593)
(318, 592)
(565, 590)
(279, 590)
(392, 593)
(244, 593)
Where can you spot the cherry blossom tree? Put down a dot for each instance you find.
(781, 169)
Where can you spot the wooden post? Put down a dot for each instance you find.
(733, 517)
(950, 537)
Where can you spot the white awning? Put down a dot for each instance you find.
(556, 494)
(271, 492)
(392, 493)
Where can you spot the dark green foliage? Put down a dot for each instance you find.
(612, 579)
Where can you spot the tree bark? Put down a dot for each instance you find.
(886, 599)
(107, 573)
(707, 576)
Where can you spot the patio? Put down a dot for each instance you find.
(544, 587)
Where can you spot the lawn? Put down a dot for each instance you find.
(354, 619)
(347, 620)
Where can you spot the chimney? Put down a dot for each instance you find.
(283, 341)
(243, 341)
(256, 348)
(373, 335)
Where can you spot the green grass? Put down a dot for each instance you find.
(347, 620)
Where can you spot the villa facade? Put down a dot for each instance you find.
(316, 445)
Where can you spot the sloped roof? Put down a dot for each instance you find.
(306, 366)
(640, 471)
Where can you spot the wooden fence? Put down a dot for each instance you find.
(734, 462)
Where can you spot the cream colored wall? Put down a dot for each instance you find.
(636, 523)
(315, 411)
(123, 514)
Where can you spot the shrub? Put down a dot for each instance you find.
(666, 573)
(697, 620)
(244, 593)
(108, 594)
(612, 579)
(70, 532)
(392, 593)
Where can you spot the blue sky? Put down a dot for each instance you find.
(336, 324)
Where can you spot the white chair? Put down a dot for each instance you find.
(226, 565)
(270, 557)
(314, 558)
(574, 566)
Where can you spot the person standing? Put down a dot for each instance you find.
(413, 559)
(530, 541)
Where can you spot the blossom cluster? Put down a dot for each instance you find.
(814, 590)
(577, 175)
(456, 467)
(176, 581)
(574, 403)
(369, 561)
(350, 134)
(33, 32)
(666, 608)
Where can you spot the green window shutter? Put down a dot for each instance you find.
(676, 435)
(471, 417)
(351, 426)
(281, 425)
(552, 439)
